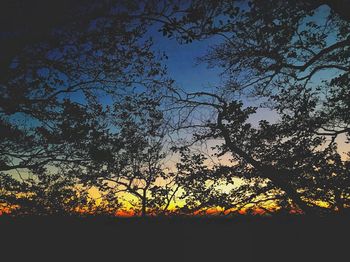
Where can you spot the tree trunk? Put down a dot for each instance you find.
(280, 178)
(338, 202)
(286, 186)
(144, 204)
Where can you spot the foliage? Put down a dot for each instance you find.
(85, 102)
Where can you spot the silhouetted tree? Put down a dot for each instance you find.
(56, 75)
(223, 189)
(133, 156)
(293, 58)
(42, 194)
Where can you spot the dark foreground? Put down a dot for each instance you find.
(176, 239)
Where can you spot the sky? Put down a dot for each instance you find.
(182, 66)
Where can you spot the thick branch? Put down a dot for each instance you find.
(279, 178)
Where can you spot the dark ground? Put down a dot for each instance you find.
(175, 239)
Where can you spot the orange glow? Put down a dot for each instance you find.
(125, 213)
(267, 207)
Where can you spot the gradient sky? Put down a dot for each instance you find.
(182, 65)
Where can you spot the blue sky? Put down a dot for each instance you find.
(182, 65)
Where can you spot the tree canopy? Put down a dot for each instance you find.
(86, 101)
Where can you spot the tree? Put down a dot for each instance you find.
(46, 186)
(58, 76)
(79, 61)
(133, 152)
(289, 56)
(41, 194)
(222, 190)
